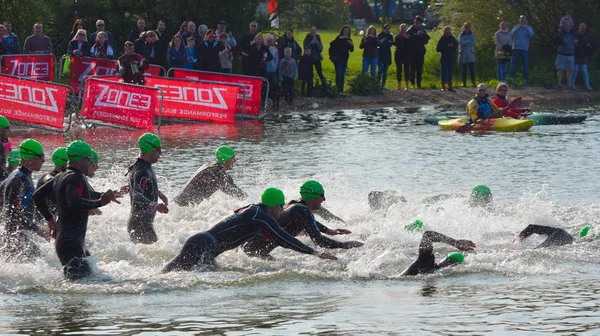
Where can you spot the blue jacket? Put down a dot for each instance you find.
(386, 41)
(567, 49)
(11, 44)
(176, 57)
(521, 37)
(288, 68)
(466, 52)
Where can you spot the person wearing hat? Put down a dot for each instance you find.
(481, 107)
(298, 217)
(222, 29)
(13, 161)
(144, 193)
(18, 210)
(74, 200)
(210, 178)
(233, 231)
(481, 196)
(556, 236)
(425, 262)
(4, 134)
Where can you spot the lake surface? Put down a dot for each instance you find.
(548, 175)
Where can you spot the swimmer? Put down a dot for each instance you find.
(59, 158)
(236, 229)
(13, 160)
(74, 201)
(481, 196)
(556, 236)
(383, 200)
(425, 263)
(18, 210)
(210, 178)
(4, 134)
(144, 193)
(298, 217)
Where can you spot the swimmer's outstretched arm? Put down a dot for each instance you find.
(537, 229)
(327, 215)
(430, 237)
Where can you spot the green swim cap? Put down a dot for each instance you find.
(585, 231)
(456, 256)
(30, 149)
(59, 156)
(13, 158)
(224, 154)
(311, 189)
(95, 157)
(4, 122)
(481, 192)
(414, 226)
(149, 142)
(272, 197)
(78, 150)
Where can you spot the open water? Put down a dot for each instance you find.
(548, 175)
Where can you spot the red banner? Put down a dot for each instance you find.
(40, 103)
(252, 87)
(191, 100)
(38, 67)
(154, 70)
(121, 104)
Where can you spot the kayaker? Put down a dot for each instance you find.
(501, 100)
(556, 236)
(481, 107)
(425, 262)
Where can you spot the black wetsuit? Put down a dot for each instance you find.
(205, 182)
(425, 262)
(3, 170)
(556, 236)
(230, 233)
(379, 200)
(143, 192)
(74, 201)
(52, 198)
(18, 214)
(295, 219)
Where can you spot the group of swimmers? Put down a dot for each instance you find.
(64, 198)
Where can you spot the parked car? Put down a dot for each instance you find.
(408, 10)
(432, 15)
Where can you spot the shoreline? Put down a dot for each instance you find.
(420, 97)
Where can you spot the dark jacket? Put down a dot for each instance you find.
(148, 50)
(74, 45)
(134, 34)
(246, 40)
(177, 57)
(305, 68)
(386, 41)
(370, 45)
(289, 43)
(447, 46)
(417, 42)
(584, 48)
(255, 61)
(402, 53)
(340, 49)
(209, 54)
(316, 48)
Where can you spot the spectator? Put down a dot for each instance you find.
(38, 43)
(384, 55)
(209, 52)
(584, 49)
(287, 41)
(402, 56)
(225, 55)
(447, 48)
(418, 38)
(191, 59)
(313, 41)
(565, 60)
(245, 41)
(176, 53)
(466, 53)
(568, 18)
(288, 70)
(162, 44)
(202, 30)
(257, 54)
(339, 53)
(273, 64)
(78, 24)
(183, 29)
(145, 45)
(222, 29)
(79, 46)
(503, 51)
(131, 66)
(191, 31)
(138, 30)
(521, 34)
(305, 73)
(11, 40)
(102, 49)
(2, 43)
(370, 44)
(100, 27)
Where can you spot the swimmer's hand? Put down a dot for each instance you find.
(95, 212)
(327, 256)
(123, 190)
(162, 208)
(163, 198)
(52, 227)
(352, 243)
(465, 245)
(338, 232)
(109, 196)
(44, 234)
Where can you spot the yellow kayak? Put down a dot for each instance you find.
(491, 124)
